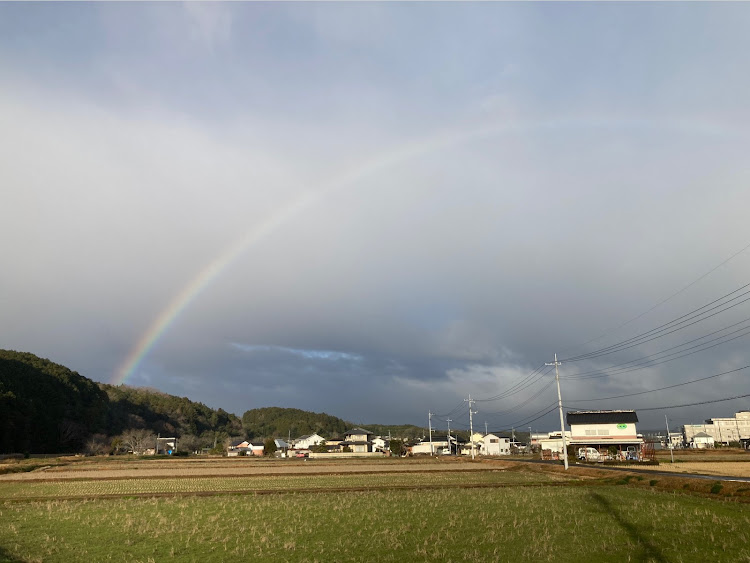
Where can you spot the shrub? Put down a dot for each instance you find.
(716, 488)
(652, 482)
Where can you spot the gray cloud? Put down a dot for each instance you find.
(512, 187)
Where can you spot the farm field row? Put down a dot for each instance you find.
(281, 483)
(167, 468)
(724, 468)
(603, 523)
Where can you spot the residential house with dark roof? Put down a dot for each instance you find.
(358, 440)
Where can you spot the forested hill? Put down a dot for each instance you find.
(47, 408)
(280, 422)
(168, 415)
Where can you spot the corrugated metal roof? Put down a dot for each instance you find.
(600, 417)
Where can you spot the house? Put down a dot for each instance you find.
(602, 430)
(553, 442)
(236, 446)
(281, 445)
(238, 443)
(379, 444)
(477, 439)
(166, 445)
(701, 441)
(427, 447)
(358, 440)
(308, 441)
(256, 448)
(495, 445)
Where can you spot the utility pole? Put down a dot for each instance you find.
(528, 446)
(450, 448)
(471, 423)
(669, 439)
(559, 406)
(429, 421)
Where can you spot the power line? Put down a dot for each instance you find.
(648, 336)
(665, 361)
(661, 388)
(690, 404)
(654, 355)
(660, 303)
(513, 388)
(519, 406)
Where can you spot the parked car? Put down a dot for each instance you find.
(589, 454)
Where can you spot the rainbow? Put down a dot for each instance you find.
(383, 161)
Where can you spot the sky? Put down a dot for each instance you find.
(375, 210)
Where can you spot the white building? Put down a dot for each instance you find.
(492, 444)
(308, 441)
(722, 430)
(552, 441)
(603, 429)
(702, 441)
(425, 448)
(379, 444)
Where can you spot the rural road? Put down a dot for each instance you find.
(644, 471)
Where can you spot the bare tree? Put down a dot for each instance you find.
(190, 443)
(138, 440)
(98, 444)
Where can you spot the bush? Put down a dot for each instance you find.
(716, 488)
(652, 482)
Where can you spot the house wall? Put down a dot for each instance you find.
(553, 444)
(603, 432)
(309, 442)
(495, 445)
(424, 447)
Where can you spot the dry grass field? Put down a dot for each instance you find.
(215, 509)
(719, 468)
(116, 468)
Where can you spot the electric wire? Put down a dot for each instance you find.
(661, 388)
(688, 404)
(660, 303)
(665, 361)
(649, 335)
(654, 355)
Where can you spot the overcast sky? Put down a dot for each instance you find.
(374, 210)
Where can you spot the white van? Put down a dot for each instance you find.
(589, 454)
